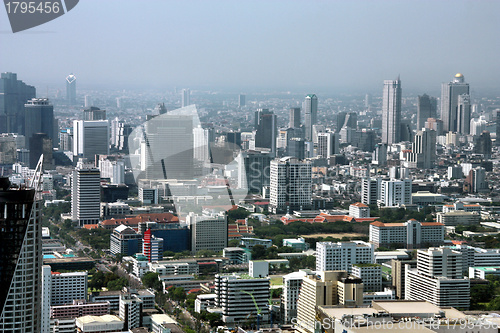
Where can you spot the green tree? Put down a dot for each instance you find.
(151, 280)
(258, 252)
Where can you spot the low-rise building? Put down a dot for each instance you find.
(79, 308)
(236, 255)
(483, 272)
(101, 324)
(411, 234)
(457, 217)
(249, 242)
(359, 210)
(297, 244)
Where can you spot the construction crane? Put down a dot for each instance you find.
(256, 307)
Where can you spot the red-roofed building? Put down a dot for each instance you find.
(411, 234)
(325, 218)
(239, 229)
(133, 222)
(359, 210)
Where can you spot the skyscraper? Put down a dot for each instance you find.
(328, 144)
(94, 113)
(90, 138)
(424, 149)
(13, 95)
(39, 144)
(186, 97)
(20, 257)
(497, 141)
(294, 118)
(85, 194)
(266, 129)
(426, 108)
(463, 114)
(449, 101)
(241, 100)
(71, 89)
(291, 182)
(391, 112)
(39, 118)
(311, 114)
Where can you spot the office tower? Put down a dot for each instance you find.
(208, 232)
(124, 240)
(410, 234)
(342, 255)
(166, 148)
(291, 289)
(66, 287)
(112, 169)
(379, 155)
(14, 94)
(476, 180)
(394, 193)
(94, 113)
(232, 138)
(295, 147)
(266, 129)
(426, 108)
(435, 124)
(438, 279)
(186, 97)
(20, 256)
(39, 118)
(241, 100)
(254, 170)
(201, 147)
(85, 194)
(311, 114)
(351, 120)
(325, 289)
(294, 119)
(88, 101)
(39, 144)
(152, 246)
(391, 112)
(368, 101)
(328, 144)
(340, 120)
(423, 154)
(122, 133)
(482, 144)
(71, 89)
(449, 101)
(398, 273)
(463, 114)
(90, 138)
(291, 185)
(9, 145)
(241, 297)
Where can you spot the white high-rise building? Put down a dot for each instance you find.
(328, 144)
(208, 232)
(114, 170)
(85, 194)
(478, 125)
(370, 188)
(391, 112)
(239, 297)
(291, 289)
(186, 97)
(291, 185)
(66, 287)
(46, 293)
(438, 279)
(394, 193)
(342, 255)
(449, 101)
(201, 137)
(90, 138)
(370, 274)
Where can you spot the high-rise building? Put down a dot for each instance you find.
(266, 129)
(66, 287)
(391, 112)
(438, 279)
(14, 94)
(291, 185)
(254, 170)
(291, 289)
(88, 101)
(483, 144)
(240, 297)
(130, 311)
(476, 180)
(342, 255)
(94, 113)
(310, 115)
(463, 114)
(328, 144)
(152, 246)
(85, 194)
(351, 120)
(124, 240)
(294, 120)
(20, 257)
(449, 101)
(39, 144)
(423, 155)
(497, 129)
(394, 193)
(398, 274)
(71, 89)
(478, 125)
(295, 147)
(340, 120)
(39, 118)
(435, 124)
(426, 108)
(208, 232)
(186, 97)
(114, 169)
(241, 100)
(90, 138)
(370, 274)
(370, 188)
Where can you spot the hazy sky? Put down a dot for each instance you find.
(283, 45)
